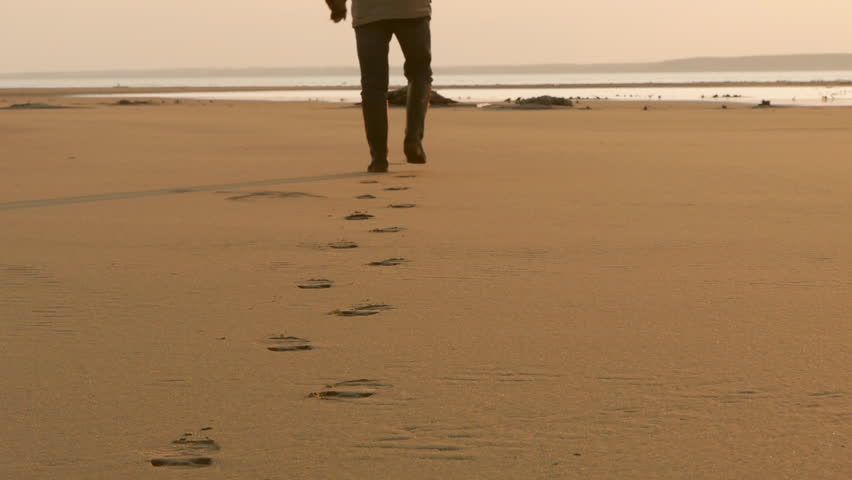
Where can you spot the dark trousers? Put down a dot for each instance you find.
(415, 39)
(373, 39)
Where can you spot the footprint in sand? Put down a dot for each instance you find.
(361, 310)
(390, 262)
(282, 343)
(190, 450)
(397, 189)
(387, 230)
(350, 390)
(182, 462)
(365, 197)
(316, 284)
(343, 245)
(359, 216)
(402, 205)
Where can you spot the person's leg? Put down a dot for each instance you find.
(373, 41)
(415, 39)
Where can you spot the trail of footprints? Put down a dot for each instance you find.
(359, 388)
(195, 450)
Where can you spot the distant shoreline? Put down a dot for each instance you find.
(751, 63)
(562, 86)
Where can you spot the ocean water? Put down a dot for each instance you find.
(488, 83)
(483, 79)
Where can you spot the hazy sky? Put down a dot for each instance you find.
(48, 35)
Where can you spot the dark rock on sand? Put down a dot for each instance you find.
(34, 106)
(545, 100)
(399, 97)
(123, 103)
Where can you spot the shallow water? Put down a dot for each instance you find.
(804, 96)
(490, 92)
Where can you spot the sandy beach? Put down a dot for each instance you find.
(583, 294)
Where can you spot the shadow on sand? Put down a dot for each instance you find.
(173, 191)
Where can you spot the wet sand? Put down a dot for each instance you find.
(13, 93)
(613, 293)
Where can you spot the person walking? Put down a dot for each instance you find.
(375, 23)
